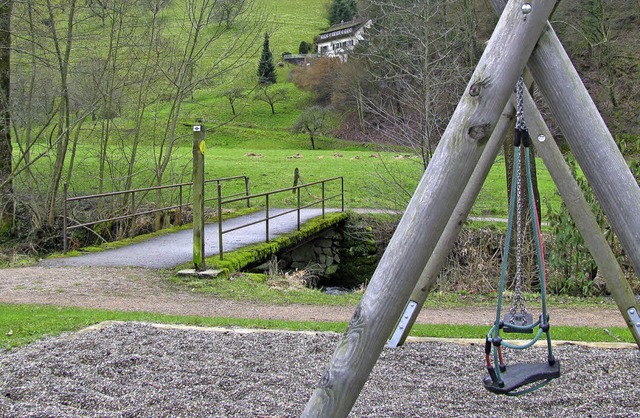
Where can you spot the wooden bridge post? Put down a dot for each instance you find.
(198, 198)
(430, 208)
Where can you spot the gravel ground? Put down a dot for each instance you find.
(140, 370)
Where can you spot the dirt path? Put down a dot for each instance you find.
(140, 289)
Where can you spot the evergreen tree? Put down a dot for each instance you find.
(342, 10)
(266, 68)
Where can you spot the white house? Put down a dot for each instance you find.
(339, 39)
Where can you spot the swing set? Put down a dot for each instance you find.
(503, 380)
(443, 198)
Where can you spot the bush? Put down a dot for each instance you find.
(572, 269)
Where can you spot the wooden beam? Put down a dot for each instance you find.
(430, 208)
(581, 213)
(452, 229)
(576, 203)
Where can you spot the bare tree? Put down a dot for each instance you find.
(6, 158)
(417, 57)
(206, 35)
(97, 61)
(312, 122)
(271, 95)
(62, 40)
(233, 95)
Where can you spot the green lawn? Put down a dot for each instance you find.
(295, 22)
(258, 144)
(367, 184)
(23, 324)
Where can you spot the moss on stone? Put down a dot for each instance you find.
(237, 260)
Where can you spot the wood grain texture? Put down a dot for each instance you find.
(589, 138)
(429, 210)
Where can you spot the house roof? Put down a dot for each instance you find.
(343, 30)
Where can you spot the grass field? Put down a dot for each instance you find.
(23, 324)
(255, 130)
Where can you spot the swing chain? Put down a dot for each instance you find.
(518, 308)
(520, 123)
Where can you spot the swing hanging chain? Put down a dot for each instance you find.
(527, 377)
(518, 308)
(520, 123)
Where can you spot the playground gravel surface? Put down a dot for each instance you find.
(142, 370)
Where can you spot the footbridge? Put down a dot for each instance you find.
(176, 248)
(267, 221)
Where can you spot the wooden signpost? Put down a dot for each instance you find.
(199, 149)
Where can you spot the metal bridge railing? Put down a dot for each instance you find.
(299, 206)
(132, 211)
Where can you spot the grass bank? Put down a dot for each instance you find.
(23, 324)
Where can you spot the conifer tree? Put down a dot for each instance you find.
(342, 11)
(266, 68)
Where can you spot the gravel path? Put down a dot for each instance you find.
(141, 289)
(139, 370)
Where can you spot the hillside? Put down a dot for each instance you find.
(115, 113)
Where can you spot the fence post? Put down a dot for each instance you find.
(266, 218)
(64, 218)
(220, 249)
(198, 197)
(247, 189)
(342, 192)
(132, 228)
(323, 199)
(179, 215)
(298, 208)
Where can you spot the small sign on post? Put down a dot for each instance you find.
(199, 148)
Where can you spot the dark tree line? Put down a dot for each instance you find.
(341, 11)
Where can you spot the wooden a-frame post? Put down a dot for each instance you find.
(582, 123)
(581, 214)
(452, 229)
(589, 138)
(430, 208)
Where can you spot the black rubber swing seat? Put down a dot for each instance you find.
(522, 374)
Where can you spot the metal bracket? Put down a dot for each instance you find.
(635, 318)
(394, 341)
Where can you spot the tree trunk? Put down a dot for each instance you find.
(64, 124)
(6, 166)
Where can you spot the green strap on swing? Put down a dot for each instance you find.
(505, 380)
